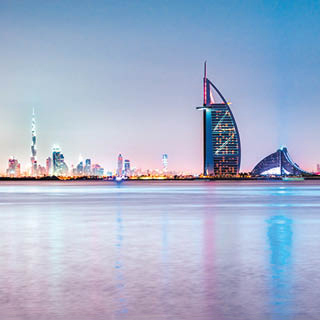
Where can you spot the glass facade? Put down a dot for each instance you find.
(222, 150)
(225, 141)
(278, 163)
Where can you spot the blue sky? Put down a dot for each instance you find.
(109, 77)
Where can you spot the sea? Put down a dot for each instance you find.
(160, 250)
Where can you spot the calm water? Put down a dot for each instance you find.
(160, 251)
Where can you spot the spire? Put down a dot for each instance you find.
(205, 84)
(33, 145)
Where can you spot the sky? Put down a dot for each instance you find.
(110, 77)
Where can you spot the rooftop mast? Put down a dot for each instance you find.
(205, 84)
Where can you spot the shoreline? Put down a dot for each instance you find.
(147, 179)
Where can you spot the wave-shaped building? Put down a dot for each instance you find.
(222, 150)
(278, 163)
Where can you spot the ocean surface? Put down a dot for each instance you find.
(160, 250)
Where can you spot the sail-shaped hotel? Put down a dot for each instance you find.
(222, 151)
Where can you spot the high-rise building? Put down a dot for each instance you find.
(49, 166)
(120, 165)
(80, 168)
(318, 167)
(13, 168)
(87, 168)
(165, 162)
(97, 170)
(41, 171)
(59, 166)
(222, 151)
(33, 157)
(127, 170)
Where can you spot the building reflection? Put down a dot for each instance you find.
(280, 240)
(208, 247)
(165, 262)
(119, 273)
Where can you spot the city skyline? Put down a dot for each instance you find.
(221, 149)
(130, 85)
(56, 164)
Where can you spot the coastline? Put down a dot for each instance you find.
(148, 179)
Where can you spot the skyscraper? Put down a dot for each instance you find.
(13, 168)
(97, 170)
(127, 170)
(318, 167)
(33, 146)
(59, 166)
(49, 166)
(120, 165)
(165, 162)
(222, 151)
(87, 168)
(80, 168)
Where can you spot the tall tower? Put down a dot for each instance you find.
(33, 146)
(127, 169)
(49, 166)
(165, 162)
(120, 165)
(60, 168)
(221, 140)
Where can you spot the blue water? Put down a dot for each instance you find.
(160, 250)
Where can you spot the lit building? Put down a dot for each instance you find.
(33, 146)
(87, 168)
(97, 170)
(109, 174)
(222, 151)
(278, 163)
(41, 171)
(165, 162)
(59, 166)
(13, 168)
(120, 165)
(127, 170)
(80, 169)
(49, 166)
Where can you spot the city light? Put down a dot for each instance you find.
(221, 153)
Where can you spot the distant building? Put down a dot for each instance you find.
(278, 163)
(13, 168)
(127, 170)
(41, 171)
(318, 167)
(97, 170)
(80, 168)
(165, 162)
(87, 168)
(222, 152)
(120, 165)
(59, 166)
(33, 157)
(49, 166)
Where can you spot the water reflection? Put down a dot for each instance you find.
(160, 252)
(119, 272)
(208, 246)
(280, 241)
(164, 264)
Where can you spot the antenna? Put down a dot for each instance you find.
(205, 84)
